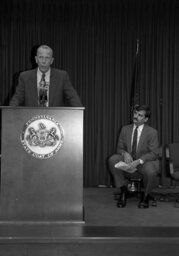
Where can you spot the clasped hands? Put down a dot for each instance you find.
(129, 160)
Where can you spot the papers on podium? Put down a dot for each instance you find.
(125, 167)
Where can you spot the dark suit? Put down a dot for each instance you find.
(61, 90)
(147, 150)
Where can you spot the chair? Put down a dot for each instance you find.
(172, 155)
(136, 183)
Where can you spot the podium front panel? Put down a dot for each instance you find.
(42, 185)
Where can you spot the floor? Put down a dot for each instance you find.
(107, 230)
(100, 209)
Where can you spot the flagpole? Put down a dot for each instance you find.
(134, 87)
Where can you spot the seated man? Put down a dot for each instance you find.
(138, 148)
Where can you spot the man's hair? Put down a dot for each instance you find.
(144, 108)
(43, 46)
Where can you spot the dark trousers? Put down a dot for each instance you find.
(147, 171)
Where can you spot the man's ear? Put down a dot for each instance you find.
(36, 59)
(52, 60)
(146, 119)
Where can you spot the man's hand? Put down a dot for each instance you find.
(134, 164)
(127, 158)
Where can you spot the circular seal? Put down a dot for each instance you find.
(42, 136)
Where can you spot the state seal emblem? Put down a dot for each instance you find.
(42, 136)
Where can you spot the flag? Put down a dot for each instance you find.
(134, 98)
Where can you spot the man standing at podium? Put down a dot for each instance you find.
(45, 86)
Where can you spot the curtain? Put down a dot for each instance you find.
(96, 41)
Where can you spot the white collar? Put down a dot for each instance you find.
(40, 73)
(140, 127)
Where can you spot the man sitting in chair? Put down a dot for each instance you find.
(137, 156)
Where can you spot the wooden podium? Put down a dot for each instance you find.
(41, 164)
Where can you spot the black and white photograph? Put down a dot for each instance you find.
(89, 127)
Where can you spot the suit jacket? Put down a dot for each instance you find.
(148, 146)
(61, 91)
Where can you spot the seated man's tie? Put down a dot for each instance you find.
(134, 143)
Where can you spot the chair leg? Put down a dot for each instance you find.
(136, 187)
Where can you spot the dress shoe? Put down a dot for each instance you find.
(123, 198)
(154, 201)
(144, 203)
